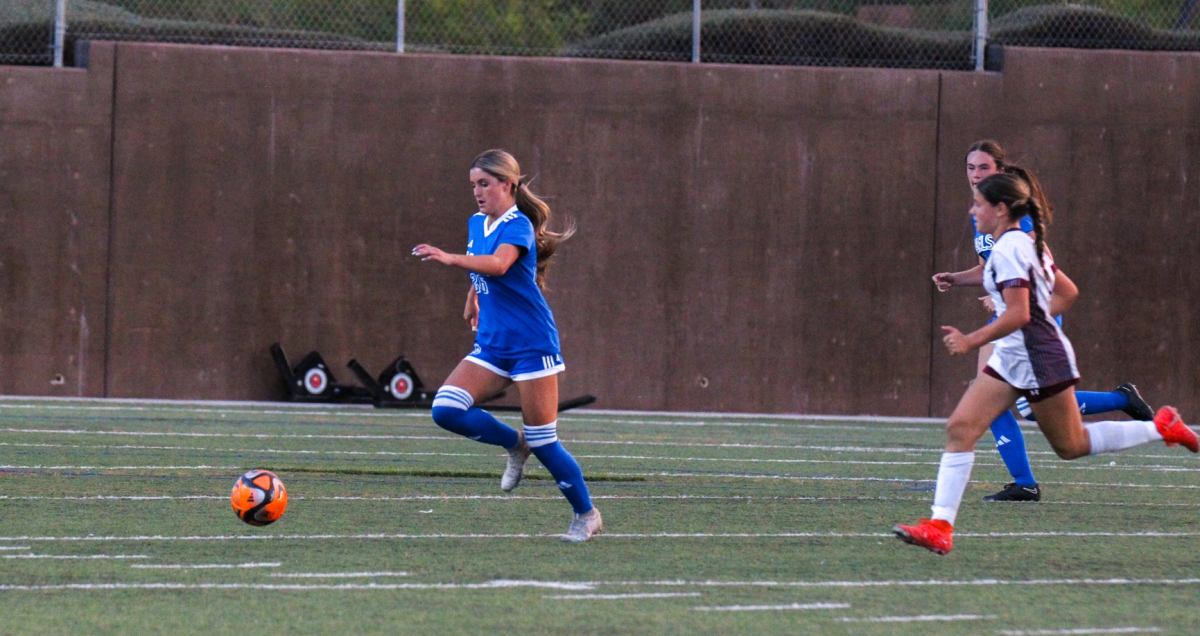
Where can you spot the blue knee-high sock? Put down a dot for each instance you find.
(453, 410)
(565, 470)
(1011, 444)
(1092, 402)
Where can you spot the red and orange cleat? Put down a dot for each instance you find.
(1174, 431)
(936, 535)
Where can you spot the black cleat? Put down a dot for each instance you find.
(1137, 409)
(1017, 492)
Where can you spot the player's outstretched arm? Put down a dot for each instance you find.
(488, 265)
(966, 278)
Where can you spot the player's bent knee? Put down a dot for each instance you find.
(450, 405)
(1072, 450)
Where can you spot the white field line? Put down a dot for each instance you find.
(204, 566)
(917, 619)
(70, 431)
(74, 557)
(618, 597)
(490, 585)
(552, 498)
(1081, 631)
(544, 535)
(1051, 465)
(835, 449)
(984, 447)
(1055, 465)
(114, 497)
(200, 467)
(266, 408)
(730, 424)
(334, 575)
(592, 585)
(16, 547)
(790, 417)
(768, 608)
(905, 480)
(253, 407)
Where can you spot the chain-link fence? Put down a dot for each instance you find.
(27, 31)
(880, 33)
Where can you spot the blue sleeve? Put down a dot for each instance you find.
(519, 232)
(1026, 224)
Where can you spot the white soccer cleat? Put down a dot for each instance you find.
(584, 527)
(515, 470)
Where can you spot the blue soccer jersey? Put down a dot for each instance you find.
(984, 242)
(514, 319)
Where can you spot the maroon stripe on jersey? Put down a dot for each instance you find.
(1047, 354)
(1009, 284)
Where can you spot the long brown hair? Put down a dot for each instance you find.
(1015, 192)
(504, 167)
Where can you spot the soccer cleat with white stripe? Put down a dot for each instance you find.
(584, 527)
(1138, 409)
(1017, 492)
(515, 470)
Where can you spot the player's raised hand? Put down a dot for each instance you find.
(431, 253)
(956, 343)
(944, 281)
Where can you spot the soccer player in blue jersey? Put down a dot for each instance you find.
(516, 341)
(985, 158)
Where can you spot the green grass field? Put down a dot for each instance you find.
(115, 519)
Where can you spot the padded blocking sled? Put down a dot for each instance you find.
(312, 381)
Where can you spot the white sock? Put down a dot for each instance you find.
(1110, 437)
(953, 475)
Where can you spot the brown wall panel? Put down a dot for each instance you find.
(1115, 137)
(793, 292)
(55, 132)
(288, 187)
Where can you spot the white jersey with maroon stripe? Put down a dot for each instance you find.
(1038, 355)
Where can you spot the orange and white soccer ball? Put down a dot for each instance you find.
(259, 498)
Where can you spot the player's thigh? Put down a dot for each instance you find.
(480, 382)
(539, 400)
(984, 400)
(1058, 417)
(985, 352)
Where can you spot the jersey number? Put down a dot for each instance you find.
(479, 284)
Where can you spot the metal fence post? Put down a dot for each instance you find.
(399, 26)
(60, 32)
(981, 32)
(696, 30)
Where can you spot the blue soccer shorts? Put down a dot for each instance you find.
(518, 369)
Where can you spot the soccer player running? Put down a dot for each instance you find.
(985, 158)
(1032, 358)
(516, 340)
